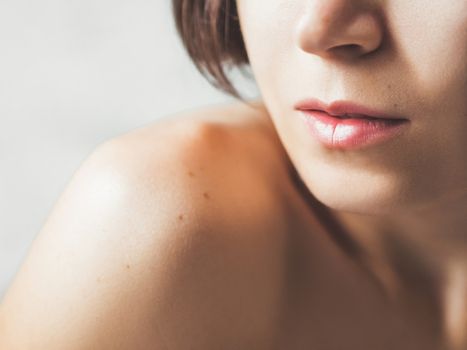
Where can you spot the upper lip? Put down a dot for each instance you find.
(342, 108)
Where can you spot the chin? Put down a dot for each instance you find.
(359, 194)
(356, 205)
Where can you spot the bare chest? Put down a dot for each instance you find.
(330, 303)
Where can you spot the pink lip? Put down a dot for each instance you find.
(363, 128)
(342, 107)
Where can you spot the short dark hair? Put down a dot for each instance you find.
(210, 31)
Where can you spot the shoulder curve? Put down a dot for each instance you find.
(171, 224)
(208, 154)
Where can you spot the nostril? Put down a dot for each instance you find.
(350, 50)
(352, 47)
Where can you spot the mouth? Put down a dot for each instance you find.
(345, 110)
(346, 116)
(346, 125)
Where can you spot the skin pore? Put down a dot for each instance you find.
(402, 202)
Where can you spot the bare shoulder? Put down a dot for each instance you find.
(224, 162)
(206, 134)
(170, 236)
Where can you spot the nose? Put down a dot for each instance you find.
(339, 28)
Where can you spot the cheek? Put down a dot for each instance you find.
(267, 28)
(433, 43)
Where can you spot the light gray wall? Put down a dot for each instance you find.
(72, 74)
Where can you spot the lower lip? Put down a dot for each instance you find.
(351, 133)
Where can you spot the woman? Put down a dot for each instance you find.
(329, 214)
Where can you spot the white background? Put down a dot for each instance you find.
(74, 73)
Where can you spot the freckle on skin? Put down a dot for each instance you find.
(127, 266)
(206, 195)
(191, 174)
(180, 217)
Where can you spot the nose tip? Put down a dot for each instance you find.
(341, 31)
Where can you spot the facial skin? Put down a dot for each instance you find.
(407, 58)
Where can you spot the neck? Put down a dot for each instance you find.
(420, 259)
